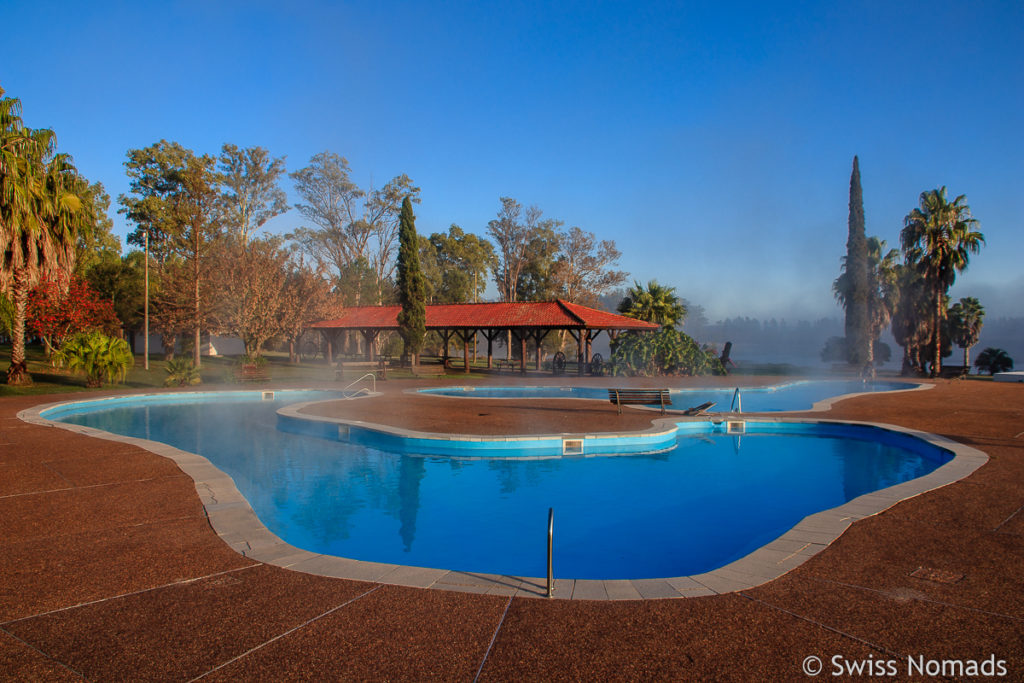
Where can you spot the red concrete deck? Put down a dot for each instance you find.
(109, 570)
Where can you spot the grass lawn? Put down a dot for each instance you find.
(215, 370)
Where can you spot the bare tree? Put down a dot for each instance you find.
(352, 237)
(512, 238)
(585, 270)
(252, 282)
(307, 299)
(251, 195)
(331, 197)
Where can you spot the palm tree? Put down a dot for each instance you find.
(966, 320)
(39, 216)
(882, 293)
(911, 322)
(655, 304)
(939, 237)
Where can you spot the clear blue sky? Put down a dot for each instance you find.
(712, 141)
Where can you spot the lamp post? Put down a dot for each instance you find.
(145, 324)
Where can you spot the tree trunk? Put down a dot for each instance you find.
(869, 362)
(967, 360)
(908, 365)
(937, 334)
(169, 342)
(17, 374)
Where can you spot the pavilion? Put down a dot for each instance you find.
(526, 321)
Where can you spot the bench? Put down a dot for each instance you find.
(640, 397)
(429, 370)
(253, 373)
(501, 364)
(952, 371)
(349, 368)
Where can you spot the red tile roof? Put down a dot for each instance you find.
(545, 314)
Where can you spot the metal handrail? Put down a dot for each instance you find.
(373, 379)
(551, 535)
(737, 401)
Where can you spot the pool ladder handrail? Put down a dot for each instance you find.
(551, 535)
(737, 401)
(373, 379)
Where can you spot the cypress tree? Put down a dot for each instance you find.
(412, 319)
(857, 336)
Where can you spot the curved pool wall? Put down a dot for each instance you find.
(233, 519)
(291, 419)
(797, 396)
(658, 438)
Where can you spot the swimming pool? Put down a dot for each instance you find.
(709, 500)
(787, 397)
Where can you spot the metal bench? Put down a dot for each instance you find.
(501, 365)
(953, 371)
(253, 373)
(640, 397)
(428, 370)
(349, 367)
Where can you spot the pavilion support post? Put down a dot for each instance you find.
(465, 336)
(522, 351)
(591, 335)
(491, 335)
(539, 336)
(446, 336)
(327, 336)
(577, 336)
(370, 336)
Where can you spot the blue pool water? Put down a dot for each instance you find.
(792, 396)
(710, 500)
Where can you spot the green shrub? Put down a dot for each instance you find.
(665, 352)
(182, 372)
(100, 357)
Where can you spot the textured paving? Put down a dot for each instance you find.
(110, 570)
